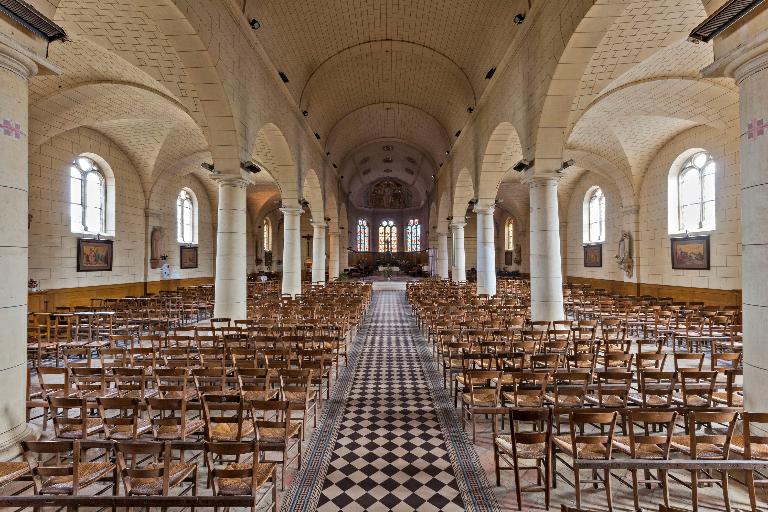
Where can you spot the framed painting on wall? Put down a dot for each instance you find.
(593, 255)
(691, 253)
(188, 256)
(94, 255)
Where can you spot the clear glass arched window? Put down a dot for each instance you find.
(88, 197)
(266, 231)
(509, 235)
(387, 236)
(363, 236)
(413, 236)
(696, 193)
(594, 221)
(186, 217)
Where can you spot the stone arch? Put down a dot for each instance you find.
(313, 194)
(501, 152)
(271, 152)
(463, 192)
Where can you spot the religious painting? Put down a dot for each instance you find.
(593, 255)
(94, 255)
(188, 256)
(387, 195)
(690, 253)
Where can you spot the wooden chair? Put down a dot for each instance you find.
(755, 448)
(276, 431)
(533, 443)
(52, 475)
(71, 420)
(592, 443)
(706, 442)
(122, 418)
(480, 396)
(169, 420)
(148, 469)
(296, 388)
(225, 418)
(240, 478)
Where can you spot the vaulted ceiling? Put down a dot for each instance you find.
(374, 70)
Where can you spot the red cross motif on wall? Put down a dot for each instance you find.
(756, 128)
(11, 128)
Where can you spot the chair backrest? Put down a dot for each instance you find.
(224, 417)
(54, 381)
(650, 433)
(539, 422)
(271, 414)
(657, 387)
(688, 361)
(224, 451)
(46, 460)
(715, 442)
(168, 417)
(697, 387)
(70, 417)
(589, 428)
(120, 417)
(140, 461)
(755, 440)
(89, 381)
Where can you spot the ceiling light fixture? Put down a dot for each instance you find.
(470, 109)
(568, 163)
(490, 73)
(283, 77)
(327, 153)
(458, 133)
(250, 167)
(317, 136)
(523, 165)
(209, 167)
(255, 24)
(305, 113)
(447, 151)
(519, 19)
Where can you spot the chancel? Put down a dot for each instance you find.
(382, 255)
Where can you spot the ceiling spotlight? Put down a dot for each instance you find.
(433, 176)
(335, 166)
(305, 113)
(317, 136)
(458, 133)
(250, 167)
(470, 109)
(209, 167)
(490, 73)
(519, 19)
(255, 24)
(568, 163)
(472, 202)
(283, 77)
(327, 153)
(447, 151)
(304, 203)
(523, 165)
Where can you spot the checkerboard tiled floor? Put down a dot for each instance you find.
(390, 453)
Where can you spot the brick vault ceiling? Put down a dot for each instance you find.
(385, 69)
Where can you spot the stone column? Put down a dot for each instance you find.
(291, 250)
(546, 267)
(318, 252)
(442, 255)
(460, 267)
(486, 251)
(333, 255)
(231, 251)
(16, 67)
(751, 76)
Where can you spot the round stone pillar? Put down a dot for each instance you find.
(333, 255)
(459, 261)
(442, 255)
(318, 252)
(231, 294)
(546, 267)
(15, 70)
(486, 251)
(291, 250)
(751, 77)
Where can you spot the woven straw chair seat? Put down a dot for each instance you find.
(584, 451)
(242, 486)
(228, 431)
(89, 473)
(524, 451)
(170, 432)
(276, 435)
(154, 486)
(482, 398)
(10, 471)
(71, 431)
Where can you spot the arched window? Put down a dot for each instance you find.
(387, 236)
(186, 217)
(88, 197)
(594, 216)
(694, 197)
(363, 236)
(413, 236)
(266, 230)
(509, 235)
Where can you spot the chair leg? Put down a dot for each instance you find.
(496, 464)
(695, 490)
(664, 477)
(607, 477)
(547, 478)
(635, 490)
(518, 493)
(726, 497)
(751, 488)
(577, 486)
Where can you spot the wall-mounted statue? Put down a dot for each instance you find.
(624, 255)
(156, 247)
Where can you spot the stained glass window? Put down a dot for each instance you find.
(413, 236)
(387, 236)
(363, 235)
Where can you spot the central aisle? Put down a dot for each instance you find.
(382, 441)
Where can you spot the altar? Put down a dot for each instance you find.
(382, 268)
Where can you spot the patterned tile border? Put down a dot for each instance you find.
(304, 492)
(476, 490)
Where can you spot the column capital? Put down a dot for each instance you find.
(533, 178)
(230, 180)
(17, 59)
(292, 210)
(484, 209)
(318, 224)
(458, 223)
(742, 62)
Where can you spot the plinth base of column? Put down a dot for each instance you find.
(10, 442)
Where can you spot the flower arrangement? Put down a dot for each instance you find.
(33, 285)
